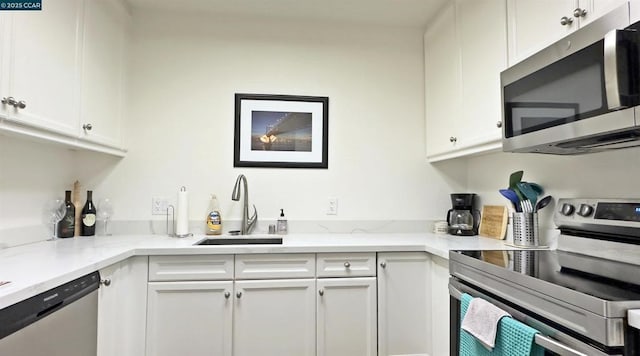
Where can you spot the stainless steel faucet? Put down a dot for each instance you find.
(248, 223)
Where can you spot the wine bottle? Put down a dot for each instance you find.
(88, 217)
(66, 226)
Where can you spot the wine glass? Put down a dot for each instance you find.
(104, 211)
(54, 210)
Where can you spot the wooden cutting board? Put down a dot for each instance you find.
(493, 221)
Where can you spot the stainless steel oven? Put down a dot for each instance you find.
(578, 297)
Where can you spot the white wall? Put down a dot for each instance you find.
(183, 77)
(184, 74)
(601, 175)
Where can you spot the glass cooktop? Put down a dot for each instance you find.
(601, 278)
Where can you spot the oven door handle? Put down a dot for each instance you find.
(540, 340)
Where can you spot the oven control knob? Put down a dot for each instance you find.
(567, 209)
(585, 210)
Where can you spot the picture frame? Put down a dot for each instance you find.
(281, 131)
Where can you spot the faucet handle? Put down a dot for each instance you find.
(251, 222)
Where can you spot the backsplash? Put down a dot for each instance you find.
(605, 175)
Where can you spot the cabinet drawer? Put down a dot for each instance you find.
(269, 266)
(346, 264)
(190, 268)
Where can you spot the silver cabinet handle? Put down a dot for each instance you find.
(239, 295)
(13, 102)
(383, 264)
(87, 127)
(499, 124)
(453, 139)
(579, 12)
(347, 264)
(227, 294)
(564, 21)
(321, 292)
(9, 100)
(105, 282)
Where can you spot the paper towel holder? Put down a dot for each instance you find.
(172, 232)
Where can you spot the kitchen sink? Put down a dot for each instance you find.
(241, 240)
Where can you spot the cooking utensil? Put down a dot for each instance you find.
(543, 202)
(528, 192)
(537, 187)
(512, 197)
(527, 206)
(514, 179)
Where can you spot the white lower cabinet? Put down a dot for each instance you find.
(404, 303)
(192, 318)
(122, 298)
(274, 317)
(286, 304)
(439, 306)
(346, 311)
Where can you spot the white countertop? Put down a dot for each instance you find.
(38, 267)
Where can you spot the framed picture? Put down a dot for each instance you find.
(284, 131)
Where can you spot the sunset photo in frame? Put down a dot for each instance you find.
(281, 131)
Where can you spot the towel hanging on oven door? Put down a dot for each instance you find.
(513, 339)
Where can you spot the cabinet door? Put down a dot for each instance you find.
(103, 71)
(597, 8)
(440, 305)
(191, 317)
(533, 24)
(442, 83)
(404, 303)
(43, 65)
(347, 316)
(4, 69)
(122, 308)
(483, 57)
(274, 317)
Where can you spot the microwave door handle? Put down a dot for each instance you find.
(611, 80)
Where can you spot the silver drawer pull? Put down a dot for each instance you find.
(383, 264)
(239, 295)
(321, 292)
(347, 264)
(227, 294)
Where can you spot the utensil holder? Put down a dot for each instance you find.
(525, 229)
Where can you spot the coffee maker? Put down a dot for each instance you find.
(462, 218)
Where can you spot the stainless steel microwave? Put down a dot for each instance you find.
(579, 95)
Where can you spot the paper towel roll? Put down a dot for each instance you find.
(182, 213)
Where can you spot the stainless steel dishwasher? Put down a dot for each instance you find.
(60, 321)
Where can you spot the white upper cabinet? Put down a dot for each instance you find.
(106, 24)
(465, 51)
(483, 57)
(534, 24)
(62, 73)
(42, 62)
(442, 78)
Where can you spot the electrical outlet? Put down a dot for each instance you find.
(332, 206)
(159, 205)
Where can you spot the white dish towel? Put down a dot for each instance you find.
(481, 321)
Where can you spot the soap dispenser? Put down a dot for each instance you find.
(281, 227)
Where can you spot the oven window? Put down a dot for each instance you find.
(568, 90)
